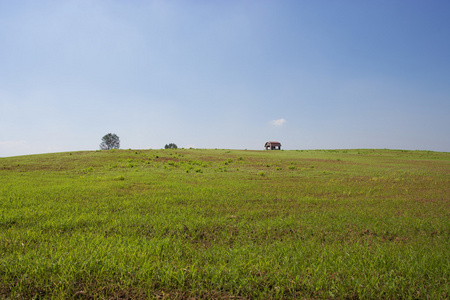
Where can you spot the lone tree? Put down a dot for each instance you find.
(171, 146)
(110, 141)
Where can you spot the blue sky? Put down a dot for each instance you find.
(224, 74)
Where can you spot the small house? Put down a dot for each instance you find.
(272, 146)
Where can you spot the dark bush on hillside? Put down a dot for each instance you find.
(170, 146)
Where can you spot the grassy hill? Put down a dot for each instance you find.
(192, 223)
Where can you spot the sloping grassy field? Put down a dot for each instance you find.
(220, 224)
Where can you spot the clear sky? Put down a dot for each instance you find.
(224, 74)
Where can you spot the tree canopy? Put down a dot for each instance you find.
(170, 146)
(110, 141)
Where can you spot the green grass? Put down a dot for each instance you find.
(215, 224)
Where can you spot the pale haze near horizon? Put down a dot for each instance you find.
(224, 74)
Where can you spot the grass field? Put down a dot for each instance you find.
(221, 224)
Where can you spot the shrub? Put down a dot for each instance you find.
(171, 146)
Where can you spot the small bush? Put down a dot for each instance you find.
(88, 170)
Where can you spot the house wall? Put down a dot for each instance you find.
(273, 147)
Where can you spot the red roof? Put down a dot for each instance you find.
(274, 143)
